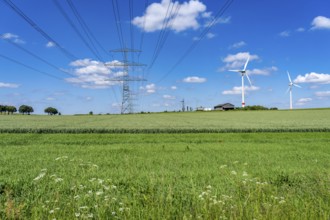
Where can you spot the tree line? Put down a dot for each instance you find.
(25, 109)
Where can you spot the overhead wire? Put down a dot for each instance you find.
(73, 26)
(39, 58)
(30, 67)
(164, 33)
(11, 5)
(91, 37)
(202, 35)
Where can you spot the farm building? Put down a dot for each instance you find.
(224, 107)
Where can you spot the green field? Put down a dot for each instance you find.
(259, 175)
(267, 120)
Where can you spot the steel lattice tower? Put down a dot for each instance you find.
(126, 104)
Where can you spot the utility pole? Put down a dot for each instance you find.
(126, 104)
(183, 106)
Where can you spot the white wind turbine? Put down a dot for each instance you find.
(290, 88)
(243, 73)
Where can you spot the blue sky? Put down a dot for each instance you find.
(61, 64)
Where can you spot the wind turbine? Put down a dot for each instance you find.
(243, 73)
(290, 88)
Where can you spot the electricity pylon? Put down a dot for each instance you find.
(126, 104)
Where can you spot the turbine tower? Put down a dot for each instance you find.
(290, 88)
(243, 73)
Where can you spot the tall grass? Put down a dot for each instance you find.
(165, 176)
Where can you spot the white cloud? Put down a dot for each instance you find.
(194, 79)
(15, 38)
(304, 101)
(150, 88)
(50, 44)
(235, 61)
(168, 97)
(185, 18)
(320, 22)
(300, 29)
(313, 77)
(323, 94)
(174, 87)
(92, 74)
(50, 98)
(265, 71)
(237, 90)
(8, 85)
(237, 45)
(210, 35)
(285, 33)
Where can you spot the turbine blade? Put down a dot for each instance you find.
(297, 85)
(247, 76)
(246, 63)
(289, 76)
(235, 71)
(287, 90)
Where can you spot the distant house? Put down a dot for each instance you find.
(224, 107)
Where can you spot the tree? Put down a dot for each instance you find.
(11, 109)
(51, 111)
(2, 108)
(25, 109)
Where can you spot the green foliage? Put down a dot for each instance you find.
(7, 109)
(165, 176)
(25, 109)
(51, 111)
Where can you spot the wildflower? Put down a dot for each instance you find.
(90, 215)
(98, 193)
(223, 166)
(51, 211)
(113, 213)
(245, 173)
(40, 176)
(233, 172)
(209, 187)
(281, 202)
(58, 180)
(100, 181)
(77, 214)
(121, 209)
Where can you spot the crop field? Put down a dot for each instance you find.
(167, 122)
(137, 174)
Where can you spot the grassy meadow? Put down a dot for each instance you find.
(259, 175)
(267, 120)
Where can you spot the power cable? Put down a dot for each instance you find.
(73, 26)
(11, 5)
(222, 10)
(39, 58)
(30, 67)
(91, 37)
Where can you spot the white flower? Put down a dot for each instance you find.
(121, 209)
(58, 180)
(40, 176)
(90, 215)
(245, 173)
(99, 193)
(77, 214)
(51, 211)
(113, 213)
(233, 172)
